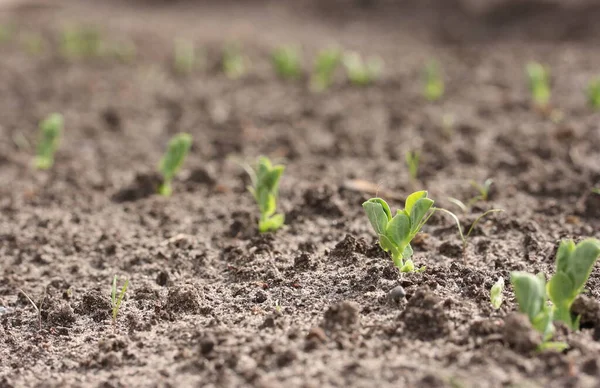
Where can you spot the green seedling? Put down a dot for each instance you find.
(286, 61)
(81, 42)
(412, 162)
(496, 297)
(326, 63)
(38, 308)
(596, 190)
(574, 264)
(234, 64)
(361, 72)
(464, 237)
(434, 82)
(184, 56)
(50, 132)
(265, 189)
(539, 84)
(593, 94)
(484, 191)
(116, 300)
(395, 233)
(33, 43)
(171, 162)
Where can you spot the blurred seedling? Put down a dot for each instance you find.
(412, 162)
(593, 94)
(483, 190)
(171, 162)
(464, 237)
(184, 56)
(286, 61)
(574, 264)
(265, 189)
(326, 63)
(396, 233)
(539, 84)
(496, 297)
(32, 43)
(37, 307)
(233, 62)
(434, 82)
(596, 190)
(81, 42)
(362, 72)
(117, 299)
(50, 133)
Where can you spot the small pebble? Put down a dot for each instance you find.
(397, 293)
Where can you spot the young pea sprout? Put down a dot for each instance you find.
(362, 72)
(434, 82)
(539, 84)
(412, 162)
(496, 293)
(233, 62)
(116, 300)
(37, 307)
(50, 132)
(326, 63)
(484, 191)
(464, 237)
(265, 189)
(593, 94)
(286, 61)
(171, 163)
(81, 42)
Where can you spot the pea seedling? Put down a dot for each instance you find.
(593, 94)
(184, 56)
(233, 61)
(464, 237)
(496, 297)
(81, 42)
(484, 191)
(539, 84)
(265, 189)
(434, 82)
(412, 162)
(171, 162)
(286, 61)
(395, 233)
(38, 308)
(574, 264)
(361, 72)
(116, 300)
(50, 132)
(326, 63)
(596, 190)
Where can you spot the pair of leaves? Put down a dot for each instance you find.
(177, 150)
(395, 233)
(265, 190)
(50, 131)
(539, 83)
(530, 291)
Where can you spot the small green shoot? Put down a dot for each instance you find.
(593, 94)
(361, 72)
(50, 132)
(596, 190)
(434, 82)
(37, 307)
(539, 84)
(395, 233)
(496, 297)
(326, 63)
(574, 264)
(171, 163)
(184, 56)
(233, 62)
(484, 193)
(265, 189)
(412, 162)
(81, 42)
(286, 61)
(464, 237)
(116, 300)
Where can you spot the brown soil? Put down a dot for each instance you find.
(213, 303)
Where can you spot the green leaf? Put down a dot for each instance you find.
(408, 266)
(582, 261)
(272, 178)
(398, 230)
(543, 323)
(565, 248)
(408, 252)
(387, 245)
(553, 345)
(418, 211)
(496, 293)
(271, 224)
(266, 202)
(530, 293)
(177, 150)
(412, 199)
(560, 290)
(378, 213)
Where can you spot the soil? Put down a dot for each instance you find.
(211, 302)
